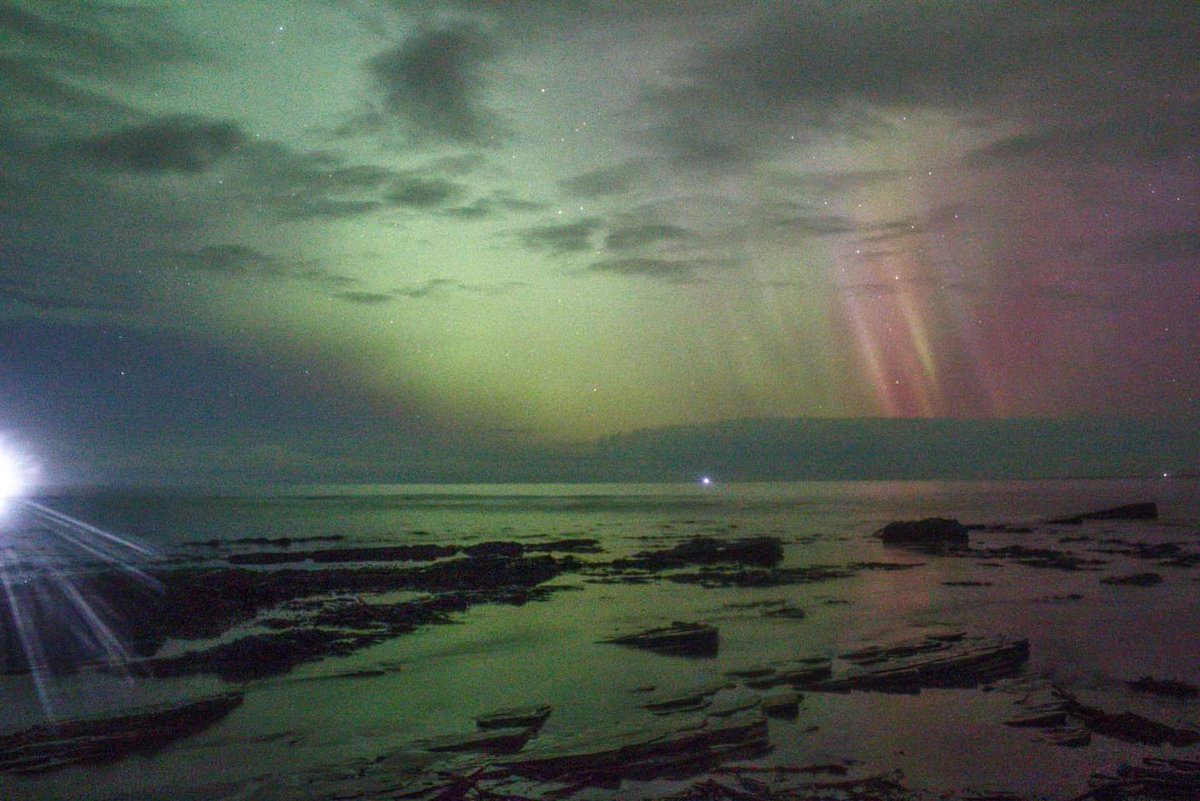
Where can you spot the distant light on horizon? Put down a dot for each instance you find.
(706, 481)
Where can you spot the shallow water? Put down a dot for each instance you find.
(439, 677)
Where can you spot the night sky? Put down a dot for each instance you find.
(380, 240)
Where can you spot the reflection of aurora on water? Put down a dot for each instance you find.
(49, 620)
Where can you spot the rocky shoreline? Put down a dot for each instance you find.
(270, 611)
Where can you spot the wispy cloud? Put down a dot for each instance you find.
(667, 270)
(1158, 247)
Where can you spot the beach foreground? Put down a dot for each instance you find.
(754, 643)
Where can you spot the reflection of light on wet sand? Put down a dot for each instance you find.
(46, 596)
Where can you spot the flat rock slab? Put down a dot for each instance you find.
(1167, 688)
(965, 662)
(144, 730)
(677, 639)
(492, 741)
(798, 673)
(1126, 726)
(688, 700)
(757, 551)
(932, 532)
(647, 754)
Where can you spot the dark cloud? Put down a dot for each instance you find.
(835, 180)
(36, 99)
(809, 224)
(356, 177)
(54, 297)
(364, 298)
(302, 185)
(435, 287)
(798, 219)
(425, 289)
(606, 181)
(835, 66)
(1160, 247)
(887, 231)
(562, 238)
(497, 202)
(235, 260)
(633, 236)
(37, 279)
(253, 176)
(432, 82)
(668, 270)
(1051, 294)
(462, 164)
(1168, 131)
(229, 259)
(416, 192)
(172, 144)
(87, 37)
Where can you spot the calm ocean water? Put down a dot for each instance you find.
(389, 513)
(438, 677)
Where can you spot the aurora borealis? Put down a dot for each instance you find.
(328, 239)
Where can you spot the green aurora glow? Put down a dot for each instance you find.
(530, 224)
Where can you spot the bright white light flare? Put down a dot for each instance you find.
(53, 567)
(11, 482)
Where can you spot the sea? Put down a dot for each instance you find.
(1084, 634)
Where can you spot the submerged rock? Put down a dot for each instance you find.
(506, 740)
(1146, 510)
(755, 551)
(713, 577)
(932, 532)
(677, 639)
(1042, 558)
(1168, 688)
(781, 703)
(1155, 778)
(1134, 580)
(531, 717)
(143, 730)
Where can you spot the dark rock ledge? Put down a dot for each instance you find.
(318, 613)
(81, 740)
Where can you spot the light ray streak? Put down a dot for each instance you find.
(58, 620)
(80, 525)
(30, 643)
(97, 627)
